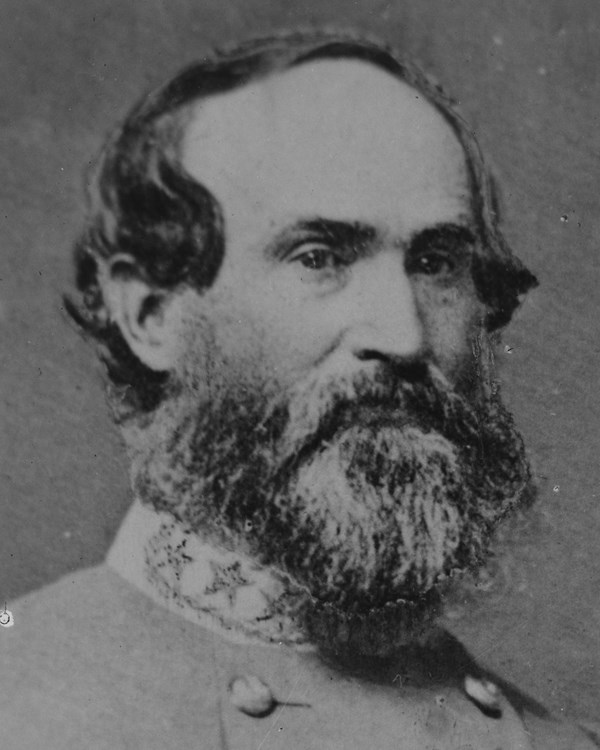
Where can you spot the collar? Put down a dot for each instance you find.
(223, 591)
(242, 601)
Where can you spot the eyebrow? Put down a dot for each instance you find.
(355, 234)
(360, 236)
(448, 235)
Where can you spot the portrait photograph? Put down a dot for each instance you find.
(299, 314)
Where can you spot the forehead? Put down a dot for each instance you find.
(336, 138)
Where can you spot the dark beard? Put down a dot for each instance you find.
(365, 491)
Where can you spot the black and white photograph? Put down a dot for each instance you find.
(300, 323)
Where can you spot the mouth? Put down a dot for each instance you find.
(348, 417)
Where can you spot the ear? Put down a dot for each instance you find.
(150, 319)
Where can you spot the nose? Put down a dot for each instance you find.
(387, 324)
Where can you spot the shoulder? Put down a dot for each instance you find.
(87, 665)
(545, 731)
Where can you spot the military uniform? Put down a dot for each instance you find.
(94, 663)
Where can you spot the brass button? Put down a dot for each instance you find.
(485, 695)
(251, 696)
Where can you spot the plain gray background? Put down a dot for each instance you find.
(526, 73)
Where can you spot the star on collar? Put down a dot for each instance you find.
(227, 579)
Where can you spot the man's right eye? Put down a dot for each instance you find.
(319, 258)
(316, 259)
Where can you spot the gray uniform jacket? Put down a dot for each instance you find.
(93, 663)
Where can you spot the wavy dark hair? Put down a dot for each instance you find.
(141, 202)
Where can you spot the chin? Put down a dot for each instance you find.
(367, 495)
(374, 517)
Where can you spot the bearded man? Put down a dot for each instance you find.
(292, 267)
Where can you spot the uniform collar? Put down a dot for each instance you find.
(221, 590)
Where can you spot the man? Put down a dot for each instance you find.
(292, 266)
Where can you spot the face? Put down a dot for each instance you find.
(348, 228)
(329, 419)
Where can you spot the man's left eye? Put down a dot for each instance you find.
(433, 263)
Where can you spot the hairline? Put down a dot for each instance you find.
(355, 48)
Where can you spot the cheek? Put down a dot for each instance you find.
(452, 320)
(277, 328)
(230, 354)
(250, 344)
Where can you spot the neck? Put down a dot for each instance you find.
(245, 602)
(221, 590)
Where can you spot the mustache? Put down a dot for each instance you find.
(315, 411)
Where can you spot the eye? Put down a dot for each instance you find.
(320, 258)
(441, 253)
(434, 263)
(317, 259)
(439, 264)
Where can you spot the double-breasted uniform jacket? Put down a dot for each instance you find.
(91, 662)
